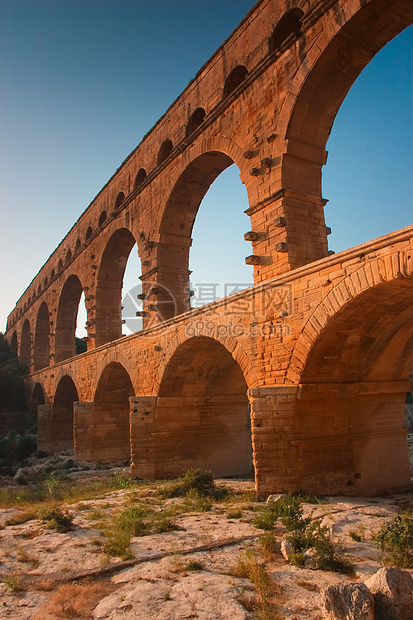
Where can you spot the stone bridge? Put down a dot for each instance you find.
(302, 376)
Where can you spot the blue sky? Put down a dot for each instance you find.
(82, 81)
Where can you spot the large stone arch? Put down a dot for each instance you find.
(202, 412)
(65, 343)
(371, 275)
(167, 287)
(108, 322)
(110, 432)
(350, 410)
(348, 38)
(41, 353)
(237, 344)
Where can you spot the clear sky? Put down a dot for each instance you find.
(82, 81)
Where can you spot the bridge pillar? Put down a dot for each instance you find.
(274, 452)
(329, 438)
(44, 427)
(164, 436)
(83, 430)
(351, 438)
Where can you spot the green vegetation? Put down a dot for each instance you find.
(304, 533)
(80, 345)
(55, 488)
(194, 483)
(250, 566)
(395, 539)
(15, 447)
(57, 519)
(12, 396)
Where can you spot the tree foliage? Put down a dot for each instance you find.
(12, 396)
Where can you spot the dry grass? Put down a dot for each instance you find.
(21, 517)
(74, 600)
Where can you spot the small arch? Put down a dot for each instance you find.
(119, 199)
(60, 265)
(25, 344)
(52, 275)
(45, 282)
(102, 218)
(235, 78)
(139, 179)
(13, 344)
(39, 289)
(65, 343)
(111, 411)
(109, 286)
(89, 232)
(61, 432)
(289, 24)
(196, 119)
(77, 245)
(37, 398)
(41, 338)
(68, 255)
(164, 151)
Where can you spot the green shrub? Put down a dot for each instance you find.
(16, 447)
(304, 533)
(194, 565)
(12, 395)
(196, 482)
(57, 519)
(395, 539)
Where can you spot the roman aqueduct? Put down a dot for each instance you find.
(304, 374)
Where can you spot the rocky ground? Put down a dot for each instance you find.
(196, 570)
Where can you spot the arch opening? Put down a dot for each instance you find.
(102, 218)
(65, 338)
(358, 371)
(139, 179)
(81, 334)
(119, 199)
(377, 107)
(132, 294)
(109, 286)
(111, 415)
(25, 345)
(37, 398)
(289, 24)
(89, 232)
(164, 151)
(196, 119)
(61, 429)
(235, 78)
(42, 338)
(224, 203)
(202, 417)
